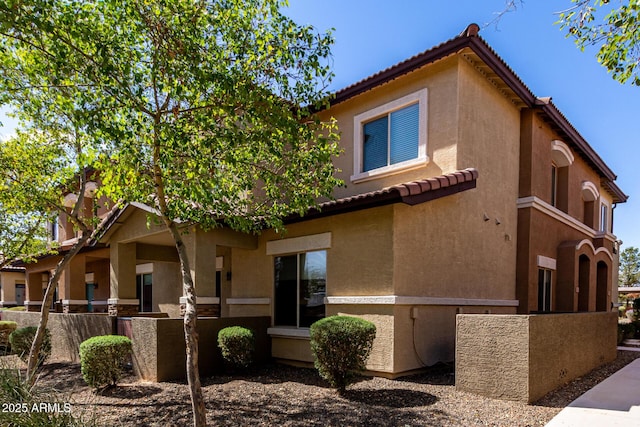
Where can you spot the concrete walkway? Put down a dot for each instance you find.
(613, 402)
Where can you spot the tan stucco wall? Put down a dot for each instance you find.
(100, 270)
(166, 288)
(67, 330)
(8, 282)
(384, 346)
(440, 79)
(523, 357)
(359, 261)
(442, 248)
(159, 345)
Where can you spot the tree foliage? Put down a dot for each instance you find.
(629, 267)
(202, 109)
(37, 168)
(612, 26)
(22, 236)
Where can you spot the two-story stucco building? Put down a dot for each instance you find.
(465, 193)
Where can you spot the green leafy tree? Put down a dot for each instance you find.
(629, 267)
(612, 26)
(206, 109)
(22, 235)
(37, 169)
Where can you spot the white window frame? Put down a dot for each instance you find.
(605, 220)
(359, 120)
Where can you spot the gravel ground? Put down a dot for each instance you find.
(287, 396)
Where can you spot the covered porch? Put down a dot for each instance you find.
(144, 271)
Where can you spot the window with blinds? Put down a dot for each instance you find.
(391, 137)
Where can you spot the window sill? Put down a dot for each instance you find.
(289, 332)
(390, 170)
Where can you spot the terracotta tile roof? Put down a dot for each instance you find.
(410, 193)
(12, 269)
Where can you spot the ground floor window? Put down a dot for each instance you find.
(300, 288)
(544, 289)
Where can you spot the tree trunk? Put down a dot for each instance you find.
(34, 353)
(190, 332)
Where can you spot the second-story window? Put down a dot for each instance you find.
(391, 138)
(604, 218)
(561, 158)
(554, 185)
(53, 227)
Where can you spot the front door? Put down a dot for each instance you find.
(89, 290)
(20, 294)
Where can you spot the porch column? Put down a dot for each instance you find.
(73, 287)
(33, 299)
(123, 301)
(201, 247)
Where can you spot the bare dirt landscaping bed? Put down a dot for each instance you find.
(281, 395)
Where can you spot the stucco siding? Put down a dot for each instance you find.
(523, 357)
(440, 80)
(8, 282)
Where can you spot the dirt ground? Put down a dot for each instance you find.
(287, 396)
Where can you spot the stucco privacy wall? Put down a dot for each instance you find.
(159, 346)
(67, 330)
(524, 357)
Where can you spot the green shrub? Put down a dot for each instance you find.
(626, 330)
(17, 308)
(341, 346)
(6, 327)
(237, 345)
(21, 340)
(102, 359)
(636, 309)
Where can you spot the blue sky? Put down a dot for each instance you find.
(373, 35)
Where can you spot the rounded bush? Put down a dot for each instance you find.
(6, 328)
(21, 340)
(237, 345)
(102, 359)
(341, 346)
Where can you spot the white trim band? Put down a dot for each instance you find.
(99, 302)
(542, 206)
(408, 300)
(8, 303)
(546, 262)
(118, 301)
(202, 300)
(75, 301)
(146, 268)
(289, 332)
(248, 301)
(313, 242)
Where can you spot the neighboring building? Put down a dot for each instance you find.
(12, 286)
(465, 193)
(84, 284)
